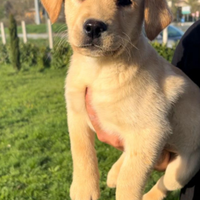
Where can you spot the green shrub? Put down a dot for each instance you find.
(14, 43)
(164, 51)
(4, 58)
(32, 54)
(44, 58)
(61, 56)
(28, 55)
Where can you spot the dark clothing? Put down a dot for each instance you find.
(192, 190)
(187, 54)
(187, 58)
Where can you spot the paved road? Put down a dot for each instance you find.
(183, 26)
(35, 36)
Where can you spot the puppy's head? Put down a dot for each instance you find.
(106, 27)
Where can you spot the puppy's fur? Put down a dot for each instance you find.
(136, 94)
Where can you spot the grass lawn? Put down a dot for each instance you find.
(35, 158)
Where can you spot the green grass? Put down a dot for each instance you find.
(35, 158)
(34, 149)
(38, 42)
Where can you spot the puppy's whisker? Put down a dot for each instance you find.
(125, 48)
(129, 41)
(127, 36)
(61, 35)
(60, 42)
(62, 28)
(61, 39)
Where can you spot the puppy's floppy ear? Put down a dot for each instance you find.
(157, 16)
(53, 8)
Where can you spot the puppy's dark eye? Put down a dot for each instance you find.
(124, 2)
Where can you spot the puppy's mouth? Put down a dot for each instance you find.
(90, 46)
(95, 50)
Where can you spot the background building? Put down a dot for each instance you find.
(185, 10)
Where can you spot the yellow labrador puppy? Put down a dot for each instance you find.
(136, 94)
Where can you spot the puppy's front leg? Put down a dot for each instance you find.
(85, 184)
(114, 172)
(141, 153)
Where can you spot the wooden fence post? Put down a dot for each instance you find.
(165, 36)
(24, 32)
(50, 33)
(3, 35)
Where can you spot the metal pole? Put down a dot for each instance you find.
(50, 34)
(3, 35)
(37, 12)
(24, 32)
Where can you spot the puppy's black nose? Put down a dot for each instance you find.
(94, 28)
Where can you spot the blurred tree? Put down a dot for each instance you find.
(195, 5)
(14, 43)
(1, 12)
(8, 8)
(21, 9)
(173, 7)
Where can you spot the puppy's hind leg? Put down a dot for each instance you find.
(178, 173)
(114, 171)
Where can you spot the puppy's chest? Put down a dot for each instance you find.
(124, 101)
(115, 102)
(111, 90)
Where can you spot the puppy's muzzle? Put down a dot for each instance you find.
(96, 41)
(94, 28)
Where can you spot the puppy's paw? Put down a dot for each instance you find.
(154, 195)
(112, 177)
(88, 190)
